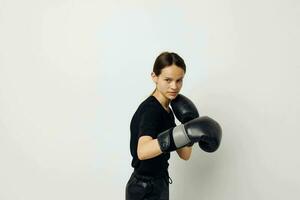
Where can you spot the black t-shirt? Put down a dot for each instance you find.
(150, 119)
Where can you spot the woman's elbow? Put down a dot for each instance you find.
(141, 155)
(185, 157)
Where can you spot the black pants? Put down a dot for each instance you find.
(147, 188)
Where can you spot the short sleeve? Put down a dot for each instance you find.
(149, 123)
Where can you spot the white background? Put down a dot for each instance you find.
(72, 74)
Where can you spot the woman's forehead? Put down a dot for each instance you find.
(172, 71)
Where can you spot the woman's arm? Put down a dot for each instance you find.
(184, 152)
(148, 148)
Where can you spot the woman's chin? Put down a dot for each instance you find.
(171, 97)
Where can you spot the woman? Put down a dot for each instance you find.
(150, 179)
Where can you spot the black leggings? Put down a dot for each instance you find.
(148, 188)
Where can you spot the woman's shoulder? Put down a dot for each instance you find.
(149, 105)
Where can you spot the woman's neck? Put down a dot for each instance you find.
(162, 100)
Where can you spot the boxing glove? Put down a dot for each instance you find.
(204, 130)
(184, 109)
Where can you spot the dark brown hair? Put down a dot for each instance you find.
(166, 59)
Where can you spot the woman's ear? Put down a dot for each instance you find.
(154, 77)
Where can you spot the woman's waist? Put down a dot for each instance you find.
(164, 174)
(150, 174)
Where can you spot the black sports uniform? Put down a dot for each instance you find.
(150, 179)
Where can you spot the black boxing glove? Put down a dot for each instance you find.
(204, 130)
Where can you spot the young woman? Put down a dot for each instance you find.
(150, 179)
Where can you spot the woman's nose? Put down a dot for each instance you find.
(174, 86)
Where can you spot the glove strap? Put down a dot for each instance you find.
(180, 136)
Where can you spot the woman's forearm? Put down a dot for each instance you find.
(148, 148)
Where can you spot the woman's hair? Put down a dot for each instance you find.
(166, 59)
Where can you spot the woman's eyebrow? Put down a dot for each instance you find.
(172, 78)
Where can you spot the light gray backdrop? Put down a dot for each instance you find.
(72, 74)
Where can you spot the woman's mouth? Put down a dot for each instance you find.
(173, 93)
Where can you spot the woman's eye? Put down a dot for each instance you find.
(168, 80)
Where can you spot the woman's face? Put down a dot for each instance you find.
(169, 82)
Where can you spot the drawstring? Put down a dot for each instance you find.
(168, 178)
